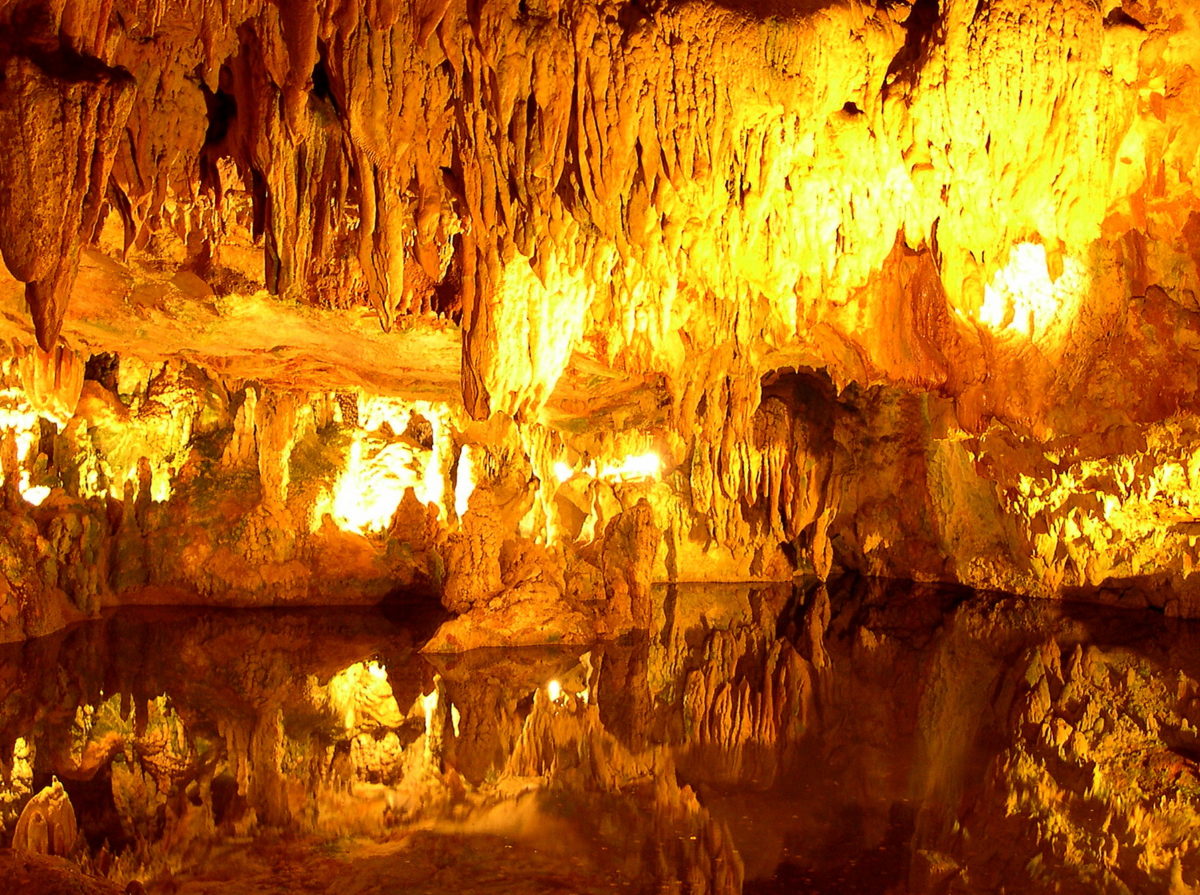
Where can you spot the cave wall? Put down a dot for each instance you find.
(902, 288)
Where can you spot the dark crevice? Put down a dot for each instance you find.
(31, 31)
(447, 295)
(222, 110)
(103, 368)
(100, 820)
(1119, 16)
(632, 14)
(809, 394)
(259, 191)
(322, 85)
(920, 30)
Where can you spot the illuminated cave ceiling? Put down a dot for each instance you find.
(632, 216)
(991, 199)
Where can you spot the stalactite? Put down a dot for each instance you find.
(61, 118)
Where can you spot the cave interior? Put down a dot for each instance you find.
(674, 446)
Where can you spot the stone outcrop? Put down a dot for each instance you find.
(627, 554)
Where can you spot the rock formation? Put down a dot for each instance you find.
(535, 312)
(47, 824)
(901, 288)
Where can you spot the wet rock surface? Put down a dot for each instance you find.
(860, 737)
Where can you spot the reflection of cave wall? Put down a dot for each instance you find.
(329, 727)
(863, 732)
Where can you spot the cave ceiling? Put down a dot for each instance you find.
(519, 202)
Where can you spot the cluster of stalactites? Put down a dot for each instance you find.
(558, 175)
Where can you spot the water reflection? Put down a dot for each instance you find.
(876, 738)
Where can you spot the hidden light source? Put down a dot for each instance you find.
(381, 465)
(634, 467)
(35, 494)
(464, 484)
(1024, 297)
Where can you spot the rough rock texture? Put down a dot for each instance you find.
(50, 876)
(908, 288)
(47, 824)
(167, 485)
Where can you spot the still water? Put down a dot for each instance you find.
(874, 738)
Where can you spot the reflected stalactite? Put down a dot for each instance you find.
(945, 742)
(746, 706)
(316, 747)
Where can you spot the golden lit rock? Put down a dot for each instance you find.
(525, 315)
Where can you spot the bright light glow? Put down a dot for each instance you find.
(373, 483)
(36, 494)
(160, 484)
(562, 471)
(1022, 297)
(381, 465)
(455, 717)
(159, 434)
(20, 768)
(429, 702)
(465, 483)
(554, 691)
(362, 696)
(18, 417)
(634, 467)
(375, 413)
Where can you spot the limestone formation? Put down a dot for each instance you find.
(907, 289)
(47, 824)
(517, 317)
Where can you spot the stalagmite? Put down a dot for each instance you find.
(47, 824)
